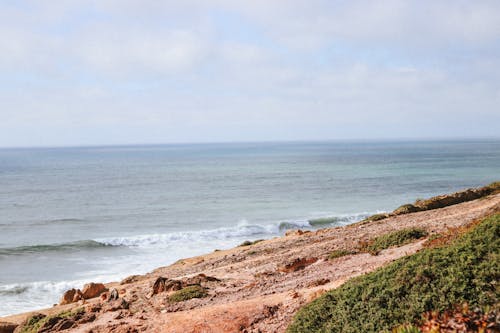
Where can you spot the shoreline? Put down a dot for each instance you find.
(261, 286)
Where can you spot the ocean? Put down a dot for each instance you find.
(74, 215)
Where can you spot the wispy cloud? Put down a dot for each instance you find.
(88, 72)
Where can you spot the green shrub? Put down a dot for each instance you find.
(248, 243)
(376, 217)
(339, 253)
(396, 238)
(406, 209)
(433, 279)
(37, 321)
(190, 292)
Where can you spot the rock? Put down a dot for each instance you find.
(319, 282)
(87, 318)
(130, 279)
(78, 296)
(199, 279)
(6, 327)
(120, 304)
(297, 232)
(56, 324)
(91, 290)
(113, 295)
(164, 284)
(93, 308)
(297, 264)
(68, 297)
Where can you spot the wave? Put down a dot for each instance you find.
(71, 246)
(338, 220)
(59, 221)
(243, 230)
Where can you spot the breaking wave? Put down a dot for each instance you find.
(71, 246)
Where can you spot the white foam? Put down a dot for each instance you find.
(243, 229)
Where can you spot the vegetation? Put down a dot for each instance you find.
(339, 253)
(434, 279)
(248, 243)
(396, 238)
(439, 201)
(406, 209)
(187, 293)
(459, 319)
(37, 321)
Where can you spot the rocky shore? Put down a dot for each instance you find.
(259, 286)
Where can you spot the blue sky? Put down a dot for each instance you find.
(121, 72)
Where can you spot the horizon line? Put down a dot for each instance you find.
(185, 143)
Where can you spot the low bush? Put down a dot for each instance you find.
(339, 253)
(434, 279)
(396, 238)
(248, 243)
(187, 293)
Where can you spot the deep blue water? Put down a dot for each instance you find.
(71, 215)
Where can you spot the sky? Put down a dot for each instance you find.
(138, 72)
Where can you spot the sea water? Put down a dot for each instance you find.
(73, 215)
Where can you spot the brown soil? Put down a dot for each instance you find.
(258, 288)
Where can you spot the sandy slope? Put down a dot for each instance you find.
(257, 291)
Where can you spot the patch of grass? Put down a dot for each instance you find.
(375, 217)
(187, 293)
(433, 279)
(339, 253)
(34, 323)
(248, 243)
(396, 238)
(406, 209)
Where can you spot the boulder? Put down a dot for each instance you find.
(6, 327)
(164, 284)
(91, 290)
(68, 297)
(78, 296)
(113, 295)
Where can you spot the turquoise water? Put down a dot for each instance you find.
(72, 215)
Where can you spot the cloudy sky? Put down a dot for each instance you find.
(148, 71)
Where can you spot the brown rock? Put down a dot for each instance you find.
(164, 284)
(68, 297)
(297, 232)
(87, 318)
(6, 327)
(319, 282)
(91, 290)
(199, 279)
(93, 308)
(78, 296)
(297, 264)
(120, 304)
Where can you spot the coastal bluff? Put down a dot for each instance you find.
(259, 286)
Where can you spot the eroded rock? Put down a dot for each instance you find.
(297, 264)
(163, 284)
(6, 327)
(91, 290)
